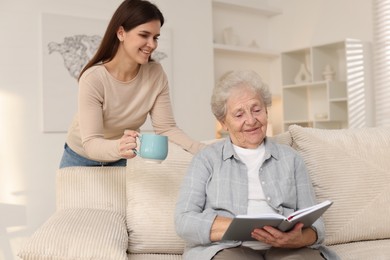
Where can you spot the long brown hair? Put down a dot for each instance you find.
(129, 14)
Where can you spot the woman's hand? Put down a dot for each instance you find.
(127, 143)
(295, 238)
(219, 227)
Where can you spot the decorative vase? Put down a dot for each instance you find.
(229, 37)
(303, 75)
(253, 44)
(328, 73)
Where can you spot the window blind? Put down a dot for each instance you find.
(381, 61)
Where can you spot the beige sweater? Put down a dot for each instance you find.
(106, 107)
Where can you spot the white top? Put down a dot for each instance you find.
(257, 203)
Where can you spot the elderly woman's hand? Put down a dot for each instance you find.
(295, 238)
(219, 227)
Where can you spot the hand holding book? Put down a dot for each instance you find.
(242, 225)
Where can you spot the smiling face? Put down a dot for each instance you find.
(246, 117)
(141, 41)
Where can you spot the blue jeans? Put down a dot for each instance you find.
(71, 158)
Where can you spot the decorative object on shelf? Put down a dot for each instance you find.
(328, 73)
(308, 62)
(253, 44)
(303, 75)
(321, 116)
(229, 37)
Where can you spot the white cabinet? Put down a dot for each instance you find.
(241, 38)
(331, 90)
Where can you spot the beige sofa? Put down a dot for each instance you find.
(127, 213)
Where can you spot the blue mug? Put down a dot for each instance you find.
(153, 148)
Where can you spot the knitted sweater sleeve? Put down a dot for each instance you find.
(91, 102)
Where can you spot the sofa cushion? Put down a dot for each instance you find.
(375, 249)
(152, 191)
(283, 138)
(81, 234)
(155, 257)
(92, 187)
(351, 167)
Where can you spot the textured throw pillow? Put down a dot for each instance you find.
(364, 250)
(351, 167)
(152, 191)
(283, 138)
(81, 234)
(92, 187)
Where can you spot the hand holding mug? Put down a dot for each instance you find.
(128, 143)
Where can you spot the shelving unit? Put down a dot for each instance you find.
(247, 46)
(339, 102)
(247, 21)
(245, 50)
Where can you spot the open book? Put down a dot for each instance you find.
(243, 225)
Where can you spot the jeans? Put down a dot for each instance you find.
(71, 158)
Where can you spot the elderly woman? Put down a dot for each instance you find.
(246, 173)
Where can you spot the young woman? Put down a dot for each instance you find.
(118, 88)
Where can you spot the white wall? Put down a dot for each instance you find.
(314, 22)
(29, 158)
(193, 64)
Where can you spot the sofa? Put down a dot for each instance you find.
(127, 212)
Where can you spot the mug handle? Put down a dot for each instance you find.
(135, 150)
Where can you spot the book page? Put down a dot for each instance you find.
(305, 211)
(262, 216)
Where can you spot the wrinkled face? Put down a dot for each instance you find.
(141, 41)
(246, 118)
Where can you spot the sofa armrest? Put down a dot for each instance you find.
(92, 187)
